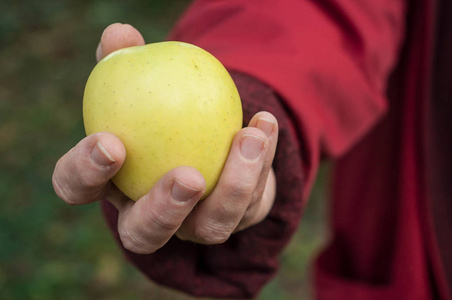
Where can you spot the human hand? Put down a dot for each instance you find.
(242, 197)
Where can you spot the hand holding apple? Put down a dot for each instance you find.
(242, 197)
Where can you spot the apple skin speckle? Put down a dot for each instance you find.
(171, 104)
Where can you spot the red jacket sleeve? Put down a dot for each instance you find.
(328, 59)
(321, 68)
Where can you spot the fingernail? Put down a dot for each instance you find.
(251, 146)
(266, 125)
(101, 156)
(182, 193)
(99, 52)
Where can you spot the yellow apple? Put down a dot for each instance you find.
(171, 104)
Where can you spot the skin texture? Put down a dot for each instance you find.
(242, 197)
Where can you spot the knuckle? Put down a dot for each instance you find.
(212, 235)
(62, 191)
(87, 179)
(147, 231)
(73, 191)
(256, 197)
(135, 248)
(164, 223)
(238, 189)
(133, 242)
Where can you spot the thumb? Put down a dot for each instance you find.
(81, 175)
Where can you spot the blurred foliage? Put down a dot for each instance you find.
(49, 250)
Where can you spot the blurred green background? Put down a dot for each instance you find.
(49, 250)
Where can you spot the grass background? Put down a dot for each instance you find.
(49, 250)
